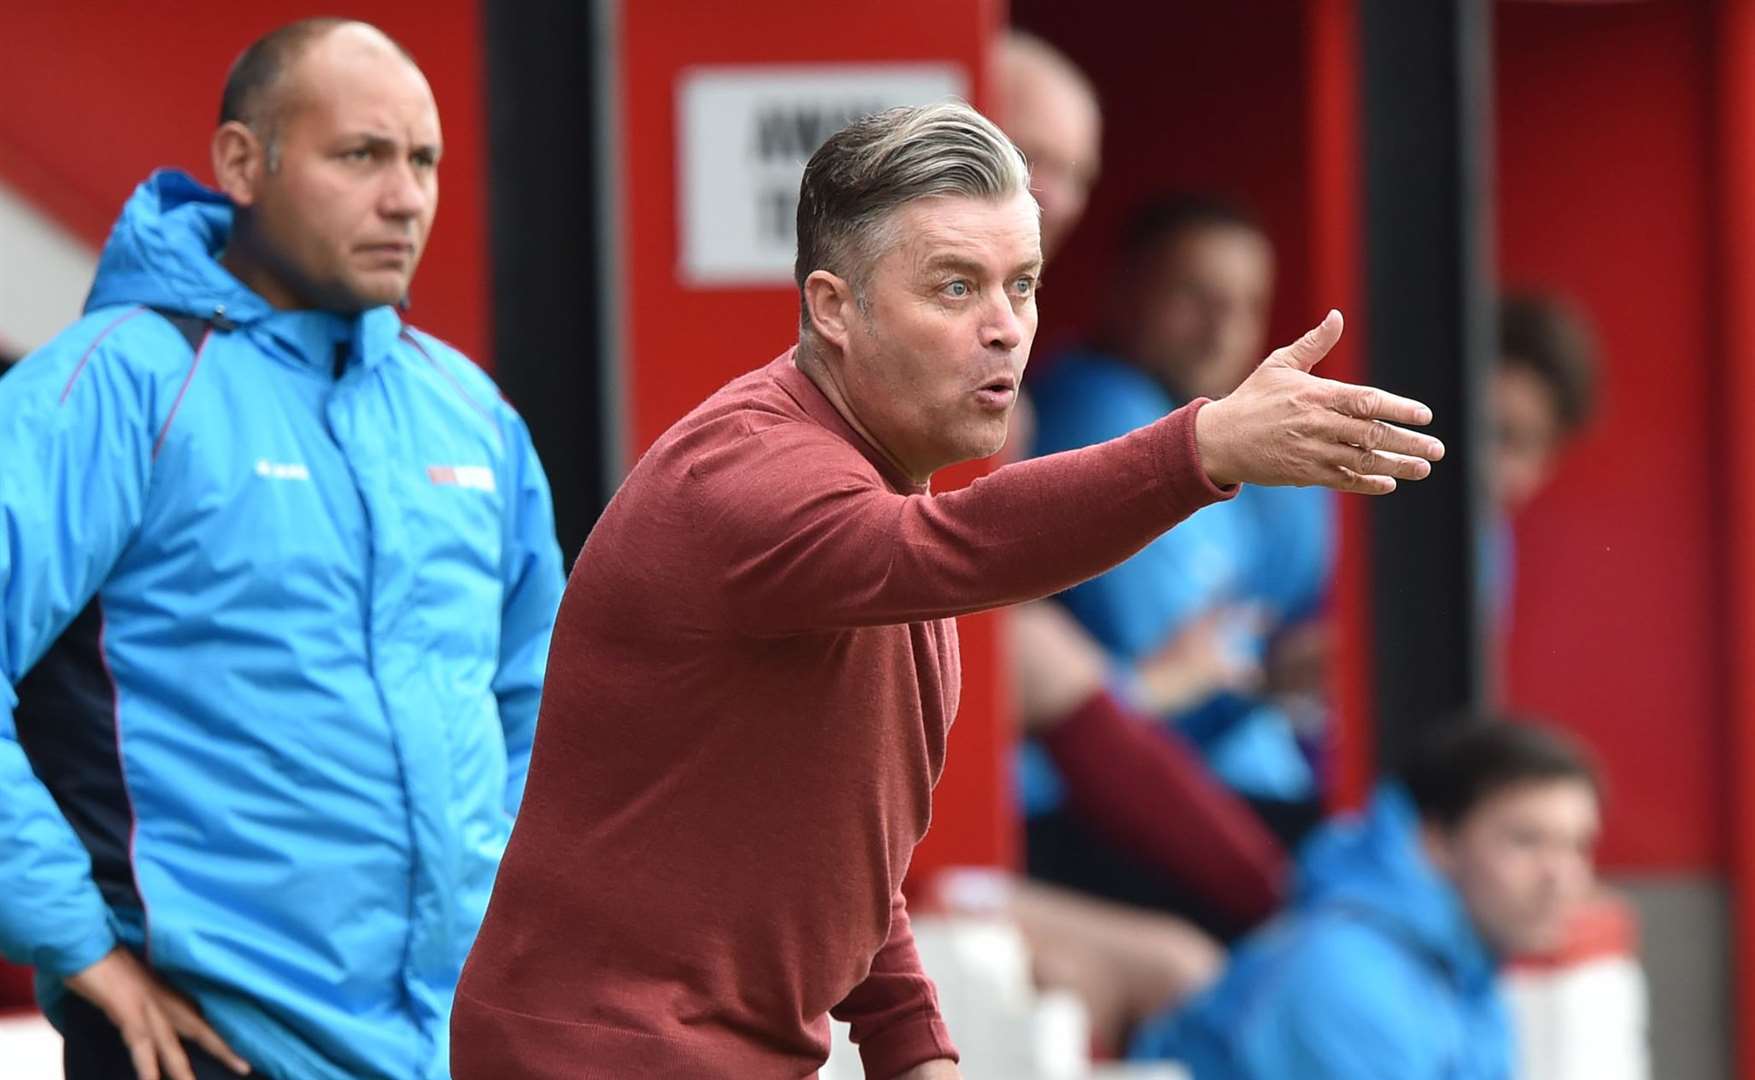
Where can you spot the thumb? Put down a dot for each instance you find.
(1303, 354)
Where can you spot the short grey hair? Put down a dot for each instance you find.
(873, 166)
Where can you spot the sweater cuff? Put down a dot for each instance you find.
(1189, 484)
(897, 1049)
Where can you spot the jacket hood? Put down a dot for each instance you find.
(163, 252)
(1374, 865)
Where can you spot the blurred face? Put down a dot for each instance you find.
(1526, 436)
(341, 222)
(930, 363)
(1198, 309)
(1056, 124)
(1522, 861)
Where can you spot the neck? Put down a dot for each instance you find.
(806, 360)
(244, 262)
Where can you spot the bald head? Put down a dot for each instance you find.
(1050, 110)
(260, 84)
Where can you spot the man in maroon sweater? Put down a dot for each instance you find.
(755, 665)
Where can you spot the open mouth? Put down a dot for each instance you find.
(998, 393)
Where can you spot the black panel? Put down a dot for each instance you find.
(543, 201)
(1426, 70)
(66, 720)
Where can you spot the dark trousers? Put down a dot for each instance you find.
(95, 1051)
(1061, 849)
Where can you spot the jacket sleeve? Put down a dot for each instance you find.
(531, 570)
(809, 541)
(76, 431)
(894, 1012)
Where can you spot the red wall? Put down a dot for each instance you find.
(1605, 158)
(1615, 616)
(98, 94)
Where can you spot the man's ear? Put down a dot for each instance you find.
(239, 161)
(831, 302)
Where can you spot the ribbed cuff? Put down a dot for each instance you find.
(1190, 486)
(904, 1046)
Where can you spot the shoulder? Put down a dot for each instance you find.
(1381, 1008)
(451, 364)
(109, 355)
(459, 381)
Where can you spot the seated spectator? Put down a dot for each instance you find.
(1387, 963)
(1192, 622)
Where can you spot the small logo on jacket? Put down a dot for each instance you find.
(281, 470)
(479, 477)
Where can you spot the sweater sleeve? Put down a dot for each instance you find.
(808, 538)
(894, 1012)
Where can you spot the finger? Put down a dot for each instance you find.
(1370, 403)
(137, 1036)
(1377, 435)
(1341, 478)
(1376, 462)
(1303, 354)
(191, 1025)
(170, 1048)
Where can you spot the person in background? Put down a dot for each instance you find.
(1541, 396)
(1194, 625)
(1386, 964)
(279, 573)
(1146, 794)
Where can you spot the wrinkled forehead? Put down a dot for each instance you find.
(1004, 232)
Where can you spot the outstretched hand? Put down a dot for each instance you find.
(1285, 426)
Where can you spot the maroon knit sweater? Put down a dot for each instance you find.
(751, 680)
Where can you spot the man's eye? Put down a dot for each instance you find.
(425, 160)
(957, 289)
(1024, 286)
(358, 153)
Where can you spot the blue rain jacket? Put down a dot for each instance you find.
(1376, 973)
(276, 605)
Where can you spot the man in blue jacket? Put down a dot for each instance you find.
(1386, 966)
(279, 573)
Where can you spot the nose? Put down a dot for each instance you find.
(1002, 329)
(405, 192)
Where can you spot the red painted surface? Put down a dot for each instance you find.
(98, 95)
(684, 342)
(1336, 278)
(1616, 618)
(1604, 161)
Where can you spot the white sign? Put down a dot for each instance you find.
(746, 133)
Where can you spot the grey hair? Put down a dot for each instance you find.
(873, 166)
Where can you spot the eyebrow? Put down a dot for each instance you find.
(969, 266)
(377, 142)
